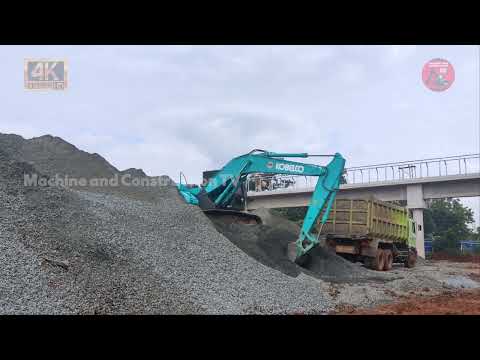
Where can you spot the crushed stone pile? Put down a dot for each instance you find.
(268, 243)
(59, 257)
(52, 155)
(66, 251)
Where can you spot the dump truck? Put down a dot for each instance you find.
(371, 231)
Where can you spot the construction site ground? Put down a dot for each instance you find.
(459, 296)
(144, 250)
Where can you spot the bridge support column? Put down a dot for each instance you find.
(416, 203)
(418, 218)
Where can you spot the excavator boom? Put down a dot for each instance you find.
(220, 190)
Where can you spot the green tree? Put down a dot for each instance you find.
(428, 222)
(449, 222)
(476, 236)
(296, 214)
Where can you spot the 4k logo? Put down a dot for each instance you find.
(45, 74)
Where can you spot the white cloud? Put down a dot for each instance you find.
(352, 73)
(396, 54)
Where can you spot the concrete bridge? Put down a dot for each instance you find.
(411, 181)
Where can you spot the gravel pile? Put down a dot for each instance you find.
(178, 241)
(59, 257)
(143, 250)
(267, 243)
(52, 155)
(69, 251)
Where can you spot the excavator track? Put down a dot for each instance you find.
(226, 215)
(233, 216)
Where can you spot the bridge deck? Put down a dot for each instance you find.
(395, 183)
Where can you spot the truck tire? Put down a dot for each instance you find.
(377, 262)
(388, 260)
(331, 245)
(411, 260)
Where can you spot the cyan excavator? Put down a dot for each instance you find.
(222, 190)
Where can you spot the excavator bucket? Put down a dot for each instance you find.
(292, 251)
(293, 256)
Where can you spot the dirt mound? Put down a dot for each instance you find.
(459, 303)
(268, 243)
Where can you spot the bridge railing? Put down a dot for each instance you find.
(259, 182)
(416, 169)
(395, 171)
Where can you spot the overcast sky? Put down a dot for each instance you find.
(168, 109)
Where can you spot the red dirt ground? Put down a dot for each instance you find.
(456, 258)
(465, 302)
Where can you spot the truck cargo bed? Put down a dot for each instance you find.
(367, 218)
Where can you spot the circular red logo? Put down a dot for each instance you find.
(438, 75)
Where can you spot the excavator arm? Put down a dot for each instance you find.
(220, 189)
(322, 199)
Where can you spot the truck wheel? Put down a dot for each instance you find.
(388, 260)
(331, 245)
(411, 260)
(378, 262)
